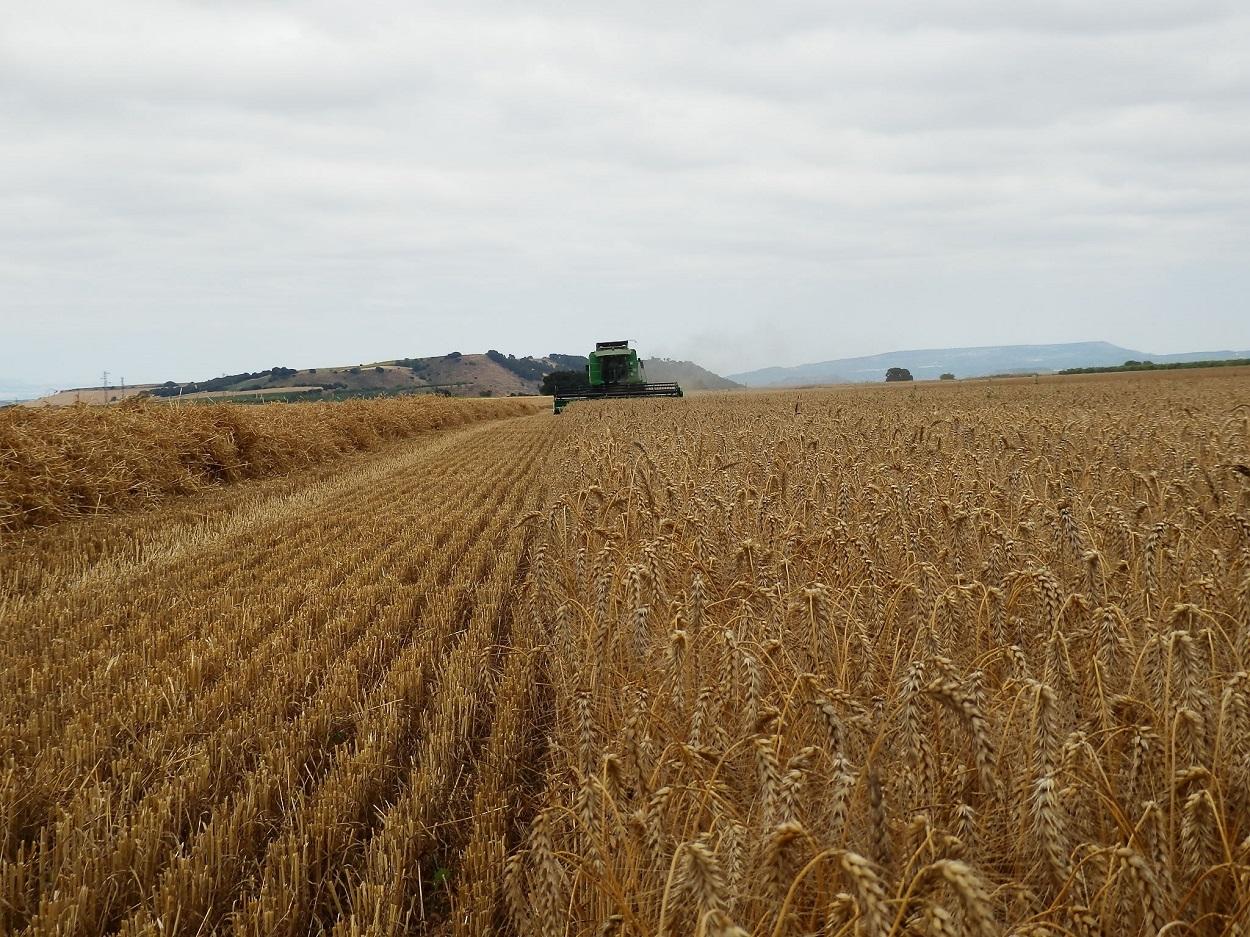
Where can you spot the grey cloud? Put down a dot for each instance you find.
(210, 186)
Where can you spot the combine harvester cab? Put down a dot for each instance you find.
(615, 371)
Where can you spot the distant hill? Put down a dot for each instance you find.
(686, 373)
(965, 362)
(493, 374)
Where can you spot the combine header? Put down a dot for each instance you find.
(615, 371)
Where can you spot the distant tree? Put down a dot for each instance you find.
(564, 382)
(379, 369)
(486, 393)
(569, 362)
(454, 356)
(527, 368)
(946, 377)
(898, 374)
(1171, 366)
(355, 370)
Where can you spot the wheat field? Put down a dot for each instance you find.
(943, 659)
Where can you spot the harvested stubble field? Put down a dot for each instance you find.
(939, 660)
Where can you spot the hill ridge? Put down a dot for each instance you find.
(965, 361)
(488, 374)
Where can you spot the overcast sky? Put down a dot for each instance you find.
(193, 188)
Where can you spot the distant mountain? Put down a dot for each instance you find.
(966, 362)
(686, 373)
(659, 370)
(493, 374)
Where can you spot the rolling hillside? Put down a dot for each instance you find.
(965, 362)
(493, 374)
(686, 373)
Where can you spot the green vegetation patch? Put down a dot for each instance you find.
(1151, 366)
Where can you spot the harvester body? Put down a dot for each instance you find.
(614, 370)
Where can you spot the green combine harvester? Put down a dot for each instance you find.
(615, 371)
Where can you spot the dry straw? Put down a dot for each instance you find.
(57, 463)
(969, 659)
